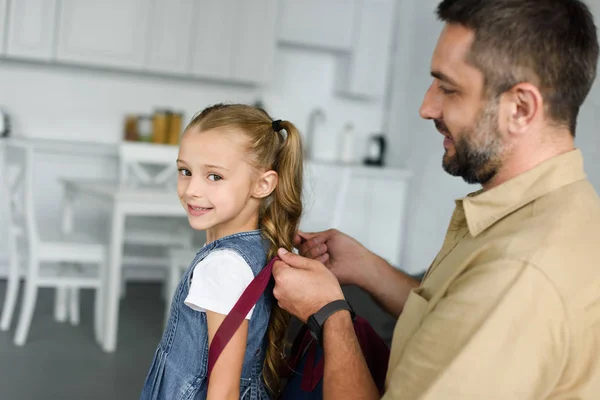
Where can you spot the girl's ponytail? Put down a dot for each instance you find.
(279, 223)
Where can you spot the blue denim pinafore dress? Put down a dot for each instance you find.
(180, 364)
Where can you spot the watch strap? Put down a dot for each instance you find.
(331, 308)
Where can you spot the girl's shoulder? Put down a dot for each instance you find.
(250, 246)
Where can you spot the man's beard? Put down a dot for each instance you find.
(478, 151)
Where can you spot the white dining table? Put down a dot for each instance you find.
(123, 201)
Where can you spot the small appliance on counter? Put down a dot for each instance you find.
(375, 150)
(4, 124)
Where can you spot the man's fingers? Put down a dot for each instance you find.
(294, 260)
(307, 235)
(323, 259)
(278, 266)
(315, 252)
(298, 240)
(313, 248)
(315, 237)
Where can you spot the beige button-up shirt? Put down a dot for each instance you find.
(510, 307)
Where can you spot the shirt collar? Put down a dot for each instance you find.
(485, 208)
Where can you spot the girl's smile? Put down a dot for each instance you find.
(195, 211)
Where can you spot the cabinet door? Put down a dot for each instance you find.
(355, 221)
(365, 72)
(31, 26)
(3, 28)
(327, 24)
(170, 31)
(105, 33)
(213, 38)
(321, 196)
(254, 47)
(386, 221)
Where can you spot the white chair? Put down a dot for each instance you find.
(179, 262)
(152, 165)
(51, 259)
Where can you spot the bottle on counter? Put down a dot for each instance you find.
(346, 144)
(175, 127)
(160, 126)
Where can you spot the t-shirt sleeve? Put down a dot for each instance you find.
(218, 281)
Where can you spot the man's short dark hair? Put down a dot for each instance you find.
(549, 43)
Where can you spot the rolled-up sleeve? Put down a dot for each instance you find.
(500, 332)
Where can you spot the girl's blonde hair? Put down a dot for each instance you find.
(280, 213)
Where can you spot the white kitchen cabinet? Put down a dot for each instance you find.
(170, 31)
(3, 27)
(31, 27)
(234, 40)
(364, 71)
(326, 24)
(254, 49)
(367, 203)
(356, 212)
(108, 33)
(214, 34)
(385, 232)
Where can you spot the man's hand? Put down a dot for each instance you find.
(354, 264)
(349, 260)
(303, 286)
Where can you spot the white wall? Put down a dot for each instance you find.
(417, 145)
(83, 104)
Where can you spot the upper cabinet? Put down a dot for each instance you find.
(106, 33)
(364, 72)
(213, 37)
(234, 40)
(254, 47)
(3, 20)
(359, 32)
(169, 36)
(30, 29)
(224, 40)
(325, 24)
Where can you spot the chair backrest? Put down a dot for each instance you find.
(146, 164)
(18, 202)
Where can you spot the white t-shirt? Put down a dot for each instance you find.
(218, 281)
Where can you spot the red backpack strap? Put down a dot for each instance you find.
(238, 313)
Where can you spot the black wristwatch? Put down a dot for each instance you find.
(317, 320)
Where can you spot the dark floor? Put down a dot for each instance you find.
(63, 362)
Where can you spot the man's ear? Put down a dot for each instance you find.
(265, 184)
(525, 105)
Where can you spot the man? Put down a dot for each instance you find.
(510, 307)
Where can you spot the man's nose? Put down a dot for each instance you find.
(431, 108)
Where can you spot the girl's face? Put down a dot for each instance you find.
(217, 186)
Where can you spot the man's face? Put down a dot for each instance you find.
(456, 103)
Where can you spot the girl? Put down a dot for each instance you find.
(241, 181)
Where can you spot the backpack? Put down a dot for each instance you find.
(306, 364)
(305, 377)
